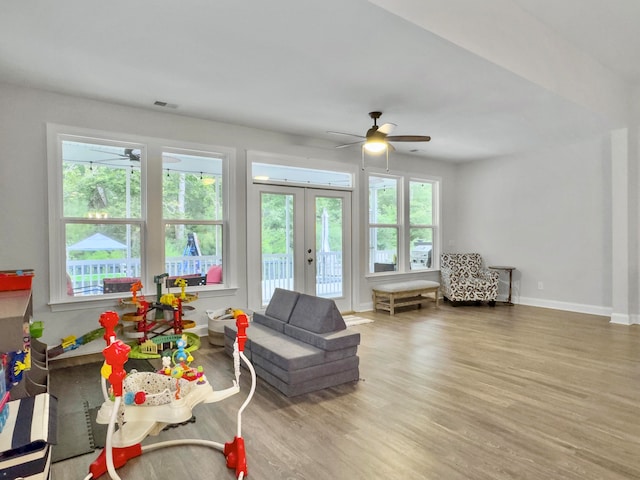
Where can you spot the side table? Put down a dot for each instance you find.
(506, 269)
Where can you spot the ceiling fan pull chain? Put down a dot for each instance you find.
(362, 149)
(387, 150)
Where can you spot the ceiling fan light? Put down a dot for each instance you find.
(375, 146)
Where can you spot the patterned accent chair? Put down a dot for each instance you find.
(463, 279)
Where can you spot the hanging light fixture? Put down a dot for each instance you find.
(376, 143)
(376, 140)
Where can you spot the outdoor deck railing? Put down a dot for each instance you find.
(87, 276)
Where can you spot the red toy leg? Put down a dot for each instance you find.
(120, 457)
(236, 456)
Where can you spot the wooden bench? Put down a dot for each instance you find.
(390, 296)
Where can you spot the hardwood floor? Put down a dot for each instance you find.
(448, 393)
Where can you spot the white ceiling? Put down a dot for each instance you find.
(305, 68)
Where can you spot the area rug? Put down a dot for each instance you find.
(352, 320)
(79, 393)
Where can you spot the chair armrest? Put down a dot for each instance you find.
(445, 275)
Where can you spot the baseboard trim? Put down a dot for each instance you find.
(537, 302)
(625, 319)
(569, 307)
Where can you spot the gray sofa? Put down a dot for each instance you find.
(300, 344)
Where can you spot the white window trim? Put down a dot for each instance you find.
(152, 252)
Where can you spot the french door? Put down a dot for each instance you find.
(302, 242)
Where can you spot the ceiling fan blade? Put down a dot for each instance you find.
(408, 138)
(110, 153)
(344, 145)
(347, 134)
(387, 128)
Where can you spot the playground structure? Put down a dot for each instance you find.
(144, 403)
(149, 337)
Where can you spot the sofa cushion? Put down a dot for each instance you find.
(291, 390)
(309, 373)
(282, 304)
(291, 354)
(214, 274)
(286, 352)
(325, 341)
(255, 330)
(270, 322)
(318, 315)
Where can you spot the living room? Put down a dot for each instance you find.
(563, 211)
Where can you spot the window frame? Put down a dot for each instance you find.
(151, 221)
(403, 225)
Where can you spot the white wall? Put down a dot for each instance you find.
(23, 193)
(548, 214)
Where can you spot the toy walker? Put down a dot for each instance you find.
(144, 403)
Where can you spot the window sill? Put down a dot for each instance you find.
(396, 274)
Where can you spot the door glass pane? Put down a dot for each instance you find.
(329, 242)
(276, 234)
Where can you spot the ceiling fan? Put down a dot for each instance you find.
(130, 154)
(377, 138)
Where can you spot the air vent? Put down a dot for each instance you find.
(159, 103)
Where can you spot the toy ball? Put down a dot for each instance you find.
(177, 372)
(128, 398)
(140, 397)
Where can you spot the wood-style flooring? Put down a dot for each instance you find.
(469, 392)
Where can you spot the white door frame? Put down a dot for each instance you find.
(303, 241)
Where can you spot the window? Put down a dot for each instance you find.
(402, 223)
(286, 174)
(110, 224)
(192, 211)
